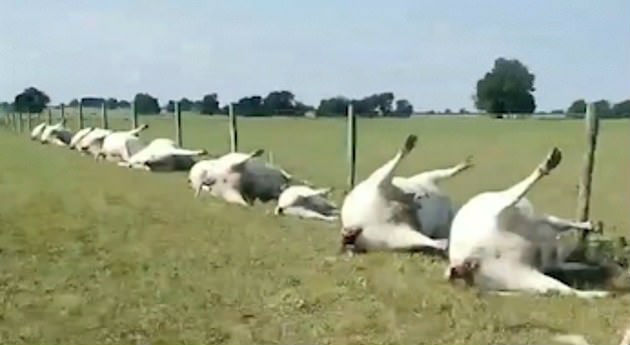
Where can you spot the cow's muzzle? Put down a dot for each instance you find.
(465, 271)
(348, 239)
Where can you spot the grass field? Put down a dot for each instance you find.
(93, 253)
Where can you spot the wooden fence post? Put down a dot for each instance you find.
(177, 114)
(20, 122)
(104, 121)
(81, 114)
(49, 118)
(584, 195)
(233, 129)
(352, 146)
(29, 121)
(134, 115)
(14, 121)
(63, 114)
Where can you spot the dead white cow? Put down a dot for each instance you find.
(379, 216)
(305, 202)
(56, 134)
(162, 155)
(436, 210)
(237, 178)
(92, 142)
(121, 145)
(498, 244)
(37, 131)
(198, 172)
(78, 136)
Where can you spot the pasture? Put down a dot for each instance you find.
(94, 253)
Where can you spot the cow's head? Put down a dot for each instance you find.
(349, 236)
(465, 271)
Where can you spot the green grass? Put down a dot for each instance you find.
(93, 253)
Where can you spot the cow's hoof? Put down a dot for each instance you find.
(410, 143)
(553, 159)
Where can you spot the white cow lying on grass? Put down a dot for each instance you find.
(305, 202)
(121, 145)
(238, 178)
(377, 215)
(37, 131)
(499, 244)
(56, 134)
(435, 212)
(92, 142)
(162, 155)
(78, 136)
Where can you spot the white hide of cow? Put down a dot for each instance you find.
(162, 154)
(237, 178)
(37, 131)
(379, 216)
(92, 142)
(499, 244)
(436, 211)
(121, 145)
(78, 136)
(306, 202)
(221, 176)
(56, 134)
(198, 172)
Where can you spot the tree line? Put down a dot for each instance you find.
(280, 102)
(506, 89)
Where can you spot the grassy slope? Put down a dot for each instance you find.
(94, 253)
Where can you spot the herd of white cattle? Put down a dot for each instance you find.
(494, 241)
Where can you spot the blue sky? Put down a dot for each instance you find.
(429, 52)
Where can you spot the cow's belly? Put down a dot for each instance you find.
(364, 207)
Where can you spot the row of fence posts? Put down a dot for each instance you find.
(15, 121)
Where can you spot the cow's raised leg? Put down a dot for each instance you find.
(306, 213)
(238, 165)
(510, 276)
(513, 194)
(561, 224)
(136, 131)
(438, 175)
(402, 237)
(185, 152)
(383, 175)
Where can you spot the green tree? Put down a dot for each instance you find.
(209, 104)
(31, 100)
(280, 102)
(577, 107)
(170, 106)
(403, 108)
(185, 104)
(622, 109)
(336, 106)
(250, 106)
(124, 104)
(507, 88)
(74, 103)
(146, 104)
(111, 103)
(603, 108)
